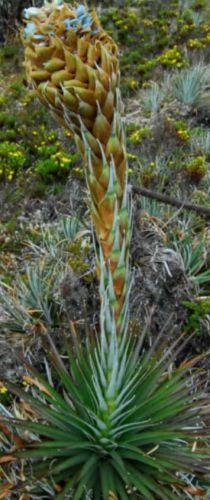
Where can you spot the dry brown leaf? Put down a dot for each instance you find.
(27, 409)
(11, 435)
(32, 381)
(7, 458)
(5, 490)
(193, 490)
(57, 488)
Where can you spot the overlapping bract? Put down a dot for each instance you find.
(72, 63)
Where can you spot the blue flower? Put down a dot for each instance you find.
(70, 23)
(81, 18)
(31, 11)
(82, 22)
(30, 29)
(39, 37)
(80, 11)
(93, 32)
(87, 22)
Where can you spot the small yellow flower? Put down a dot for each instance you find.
(130, 156)
(183, 134)
(138, 134)
(65, 159)
(133, 84)
(3, 390)
(206, 27)
(195, 43)
(147, 22)
(78, 169)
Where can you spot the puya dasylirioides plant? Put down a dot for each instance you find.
(73, 65)
(117, 423)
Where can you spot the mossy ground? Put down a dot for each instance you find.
(42, 186)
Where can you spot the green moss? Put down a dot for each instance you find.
(9, 51)
(78, 254)
(198, 311)
(146, 66)
(37, 189)
(9, 134)
(3, 117)
(16, 88)
(3, 101)
(7, 119)
(13, 196)
(6, 397)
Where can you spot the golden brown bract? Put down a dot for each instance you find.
(75, 71)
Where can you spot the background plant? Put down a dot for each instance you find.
(200, 142)
(152, 98)
(192, 253)
(33, 305)
(190, 84)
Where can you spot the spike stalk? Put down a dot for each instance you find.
(72, 63)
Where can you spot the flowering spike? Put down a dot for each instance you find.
(73, 65)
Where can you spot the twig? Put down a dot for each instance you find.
(129, 115)
(184, 205)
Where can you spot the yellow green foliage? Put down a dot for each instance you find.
(136, 136)
(197, 167)
(12, 158)
(181, 130)
(172, 57)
